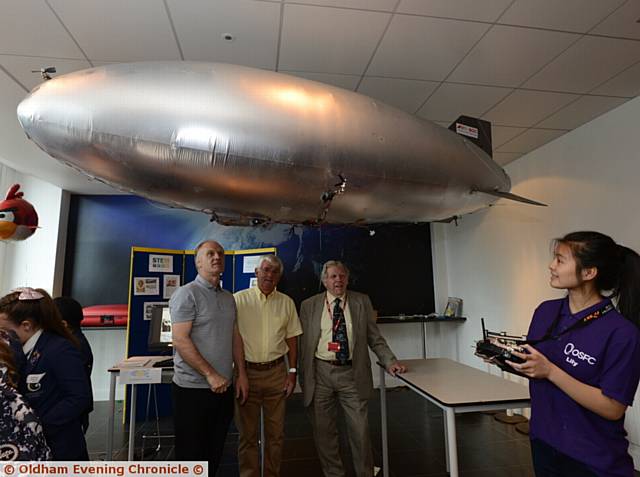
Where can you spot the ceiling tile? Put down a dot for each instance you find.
(484, 11)
(502, 134)
(22, 66)
(444, 124)
(581, 111)
(530, 140)
(507, 56)
(622, 22)
(626, 83)
(329, 40)
(407, 95)
(569, 15)
(586, 64)
(453, 100)
(141, 32)
(424, 48)
(201, 24)
(341, 81)
(525, 108)
(504, 158)
(385, 5)
(29, 27)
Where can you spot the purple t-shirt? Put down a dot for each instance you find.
(604, 353)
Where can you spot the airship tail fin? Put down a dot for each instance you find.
(510, 196)
(478, 131)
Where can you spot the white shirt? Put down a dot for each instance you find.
(27, 348)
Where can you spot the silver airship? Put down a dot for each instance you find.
(253, 146)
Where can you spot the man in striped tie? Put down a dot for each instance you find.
(339, 328)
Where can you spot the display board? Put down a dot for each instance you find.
(154, 274)
(244, 264)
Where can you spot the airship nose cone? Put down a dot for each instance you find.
(26, 112)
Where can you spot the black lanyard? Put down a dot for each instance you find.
(591, 317)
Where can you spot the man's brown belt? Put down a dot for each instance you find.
(264, 366)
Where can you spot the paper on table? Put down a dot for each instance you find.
(134, 362)
(141, 376)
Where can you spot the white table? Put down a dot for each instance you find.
(167, 376)
(455, 388)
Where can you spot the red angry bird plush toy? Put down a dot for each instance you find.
(18, 218)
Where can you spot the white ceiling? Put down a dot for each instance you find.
(534, 68)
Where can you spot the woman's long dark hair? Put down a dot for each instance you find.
(70, 311)
(618, 268)
(41, 311)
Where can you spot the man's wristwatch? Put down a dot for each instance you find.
(293, 370)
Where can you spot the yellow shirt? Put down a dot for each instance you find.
(326, 325)
(265, 322)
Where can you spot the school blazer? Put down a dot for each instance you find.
(365, 335)
(58, 391)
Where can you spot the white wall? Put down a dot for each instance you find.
(108, 347)
(33, 262)
(496, 259)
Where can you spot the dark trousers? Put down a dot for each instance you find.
(548, 462)
(201, 421)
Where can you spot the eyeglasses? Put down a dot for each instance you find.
(28, 293)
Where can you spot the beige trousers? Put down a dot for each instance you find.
(335, 386)
(266, 390)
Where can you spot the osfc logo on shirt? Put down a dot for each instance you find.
(574, 353)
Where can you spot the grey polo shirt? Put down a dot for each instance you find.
(213, 313)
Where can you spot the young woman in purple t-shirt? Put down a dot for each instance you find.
(584, 359)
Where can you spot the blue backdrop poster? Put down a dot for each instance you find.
(390, 262)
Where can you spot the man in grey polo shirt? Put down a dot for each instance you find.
(206, 342)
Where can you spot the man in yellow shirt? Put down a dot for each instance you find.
(269, 325)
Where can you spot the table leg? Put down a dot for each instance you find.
(262, 442)
(423, 330)
(132, 421)
(446, 441)
(383, 413)
(112, 412)
(452, 443)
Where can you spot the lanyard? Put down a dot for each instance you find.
(591, 317)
